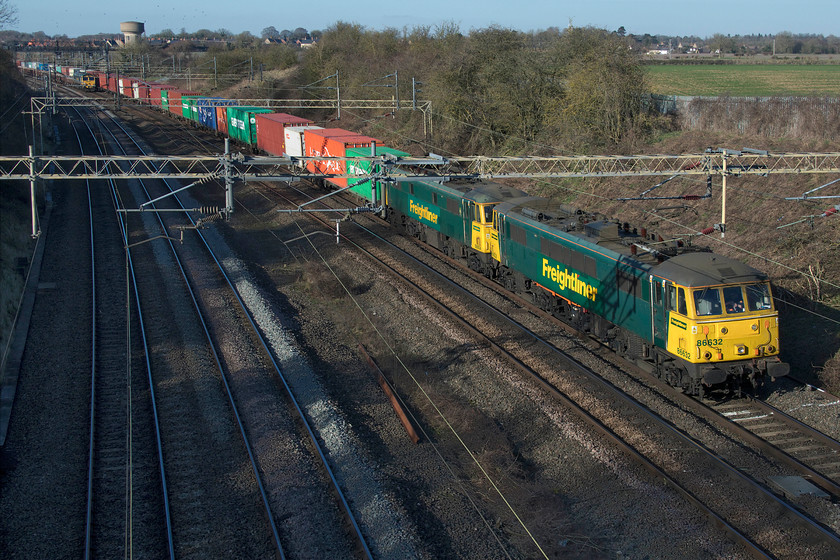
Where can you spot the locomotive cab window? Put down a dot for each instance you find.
(707, 301)
(758, 297)
(733, 297)
(484, 213)
(676, 300)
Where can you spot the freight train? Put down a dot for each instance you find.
(696, 319)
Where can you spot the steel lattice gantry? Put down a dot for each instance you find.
(53, 103)
(39, 104)
(725, 162)
(265, 168)
(111, 167)
(232, 167)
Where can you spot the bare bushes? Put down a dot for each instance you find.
(831, 374)
(320, 282)
(805, 118)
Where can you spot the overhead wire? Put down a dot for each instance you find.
(721, 241)
(765, 194)
(732, 245)
(12, 106)
(437, 409)
(428, 397)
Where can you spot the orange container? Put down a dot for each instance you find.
(333, 142)
(271, 128)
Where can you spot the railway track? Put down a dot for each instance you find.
(124, 474)
(817, 455)
(292, 539)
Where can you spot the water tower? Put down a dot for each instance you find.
(132, 31)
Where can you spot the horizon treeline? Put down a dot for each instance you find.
(783, 42)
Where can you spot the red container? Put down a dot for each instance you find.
(221, 119)
(112, 83)
(333, 142)
(271, 128)
(143, 92)
(175, 100)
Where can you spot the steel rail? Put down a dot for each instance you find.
(147, 353)
(304, 419)
(791, 421)
(805, 521)
(279, 372)
(92, 431)
(585, 416)
(830, 485)
(755, 550)
(214, 351)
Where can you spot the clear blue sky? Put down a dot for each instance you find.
(675, 17)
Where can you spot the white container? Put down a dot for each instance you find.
(294, 143)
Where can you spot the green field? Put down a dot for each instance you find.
(743, 80)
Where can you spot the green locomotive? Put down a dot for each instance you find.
(694, 318)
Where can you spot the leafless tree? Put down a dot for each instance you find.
(8, 13)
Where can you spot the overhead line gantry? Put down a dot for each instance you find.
(232, 167)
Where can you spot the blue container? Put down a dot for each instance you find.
(207, 110)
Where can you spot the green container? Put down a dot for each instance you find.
(164, 99)
(364, 167)
(188, 108)
(242, 123)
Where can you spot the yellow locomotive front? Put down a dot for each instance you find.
(720, 323)
(733, 323)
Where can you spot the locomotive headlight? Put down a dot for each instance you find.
(707, 355)
(771, 349)
(724, 330)
(740, 349)
(754, 326)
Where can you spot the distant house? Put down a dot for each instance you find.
(654, 52)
